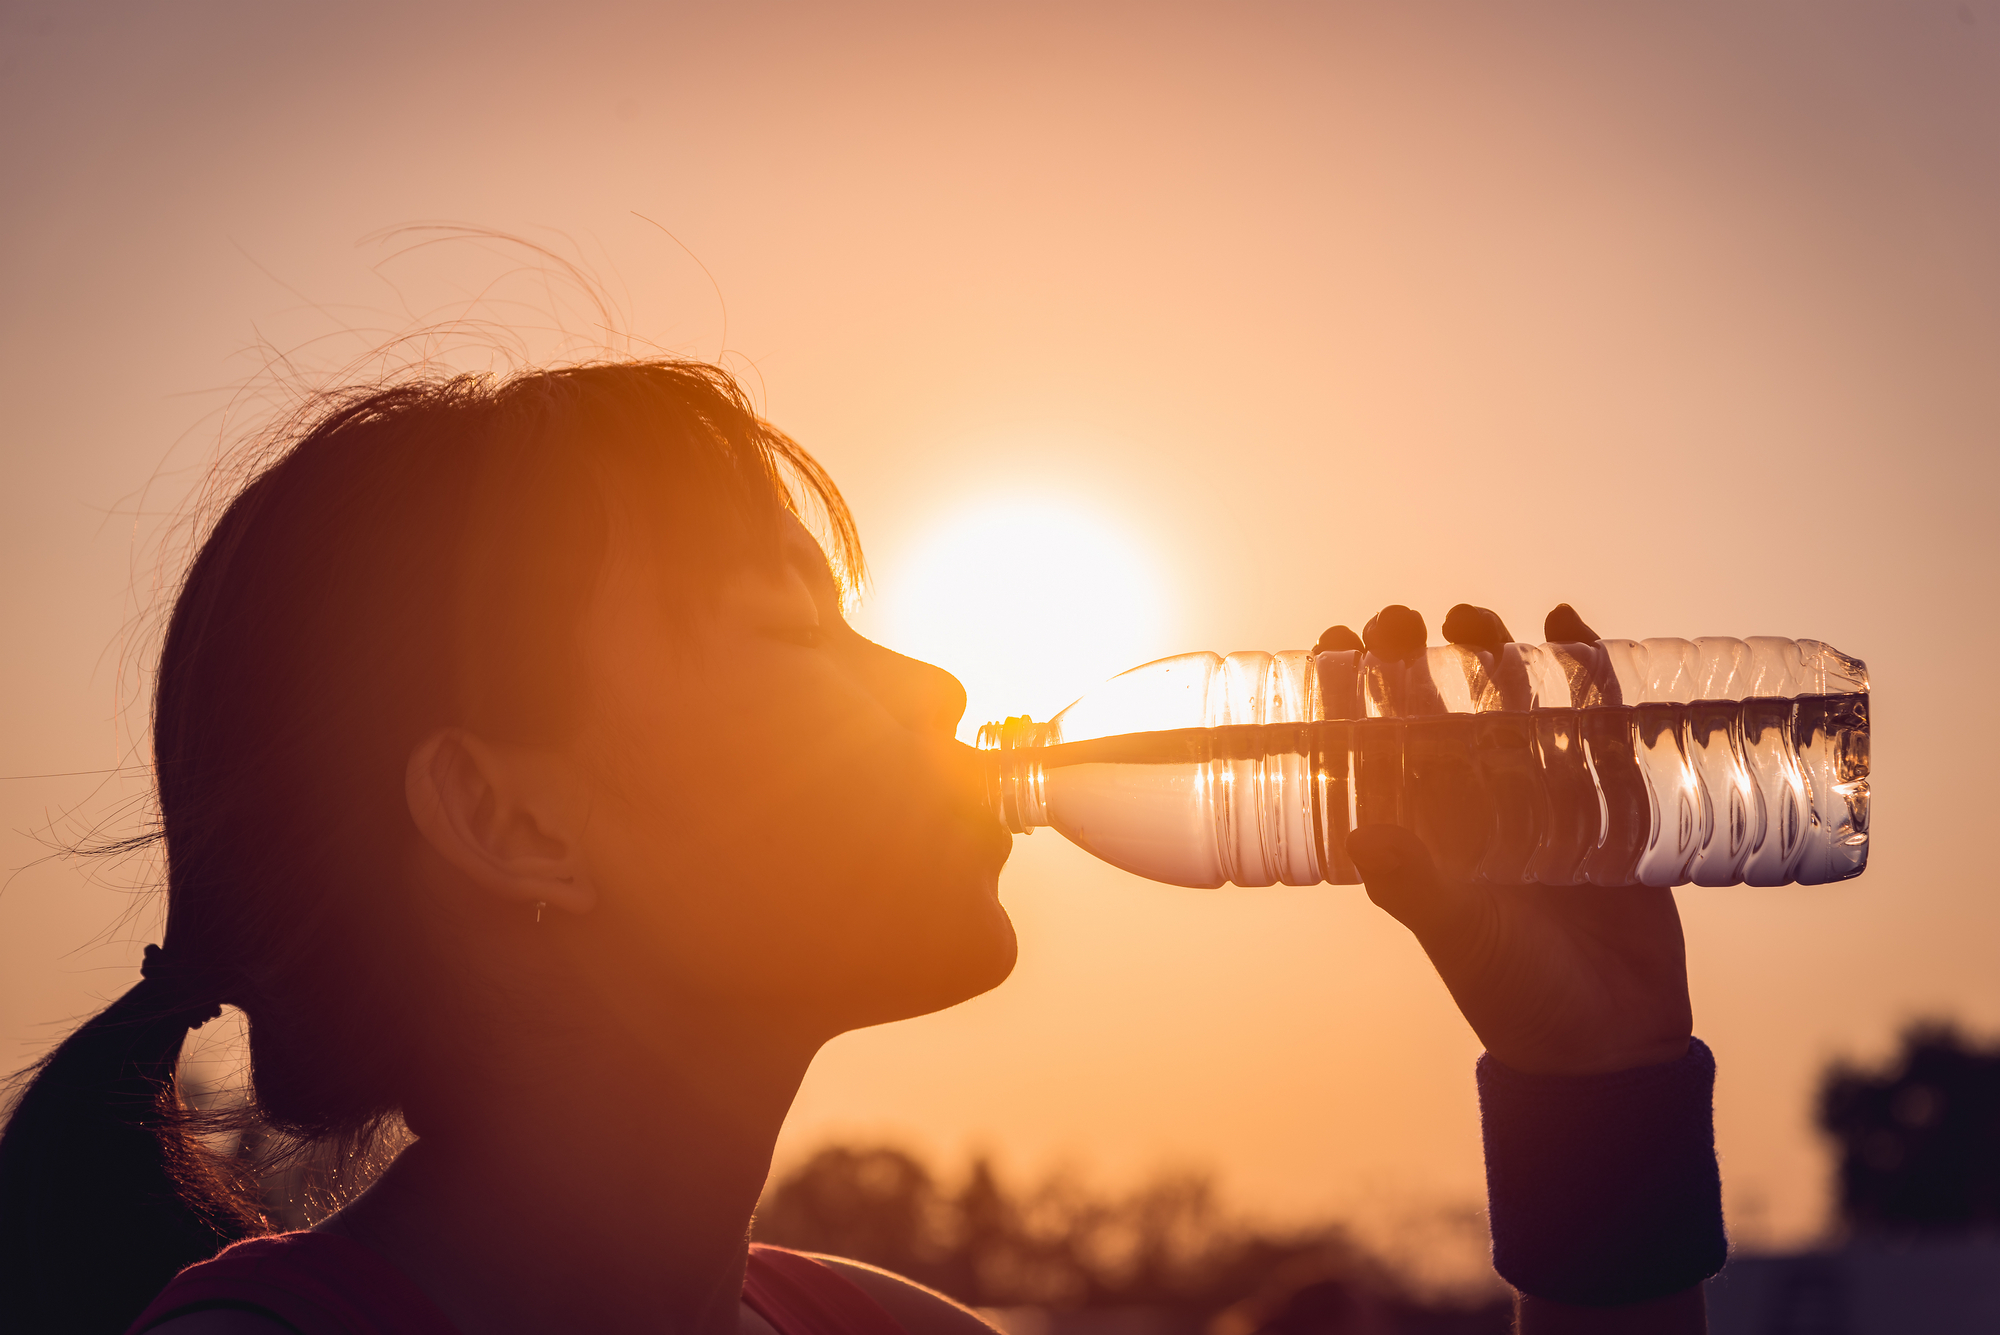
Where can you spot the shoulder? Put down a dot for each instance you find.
(919, 1310)
(291, 1282)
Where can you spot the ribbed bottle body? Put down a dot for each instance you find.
(1655, 762)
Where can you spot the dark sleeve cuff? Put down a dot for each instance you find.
(1603, 1189)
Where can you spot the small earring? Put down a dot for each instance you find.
(540, 904)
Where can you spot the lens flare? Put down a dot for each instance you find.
(1028, 602)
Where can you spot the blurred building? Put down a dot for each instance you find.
(1917, 1144)
(1932, 1286)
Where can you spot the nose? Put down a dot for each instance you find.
(921, 696)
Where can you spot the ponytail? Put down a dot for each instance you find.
(105, 1189)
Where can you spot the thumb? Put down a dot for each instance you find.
(1402, 879)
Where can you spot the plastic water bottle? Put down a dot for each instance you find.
(1615, 762)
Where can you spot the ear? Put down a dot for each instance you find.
(511, 818)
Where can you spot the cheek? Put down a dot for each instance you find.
(784, 858)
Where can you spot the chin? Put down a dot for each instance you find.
(975, 957)
(1002, 950)
(989, 946)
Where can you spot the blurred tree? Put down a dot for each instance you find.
(1166, 1245)
(1919, 1139)
(874, 1204)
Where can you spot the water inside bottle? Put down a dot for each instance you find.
(1764, 790)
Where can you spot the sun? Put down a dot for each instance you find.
(1028, 602)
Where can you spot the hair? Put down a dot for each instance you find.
(389, 538)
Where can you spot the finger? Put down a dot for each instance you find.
(1403, 879)
(1564, 626)
(1481, 629)
(1395, 633)
(1337, 638)
(1475, 627)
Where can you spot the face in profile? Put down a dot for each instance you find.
(782, 822)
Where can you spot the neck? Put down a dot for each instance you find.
(615, 1197)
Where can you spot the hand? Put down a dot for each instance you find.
(1555, 980)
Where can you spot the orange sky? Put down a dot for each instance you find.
(1688, 315)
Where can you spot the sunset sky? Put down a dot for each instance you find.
(1126, 329)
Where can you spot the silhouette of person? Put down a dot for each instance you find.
(520, 779)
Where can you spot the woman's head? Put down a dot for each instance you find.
(570, 621)
(471, 646)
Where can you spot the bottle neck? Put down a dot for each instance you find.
(1012, 754)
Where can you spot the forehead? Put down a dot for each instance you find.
(643, 570)
(692, 538)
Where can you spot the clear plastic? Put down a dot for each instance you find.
(1619, 762)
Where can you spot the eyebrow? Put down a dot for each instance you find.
(805, 556)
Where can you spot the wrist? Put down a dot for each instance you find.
(1602, 1188)
(1581, 1060)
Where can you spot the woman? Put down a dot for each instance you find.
(520, 780)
